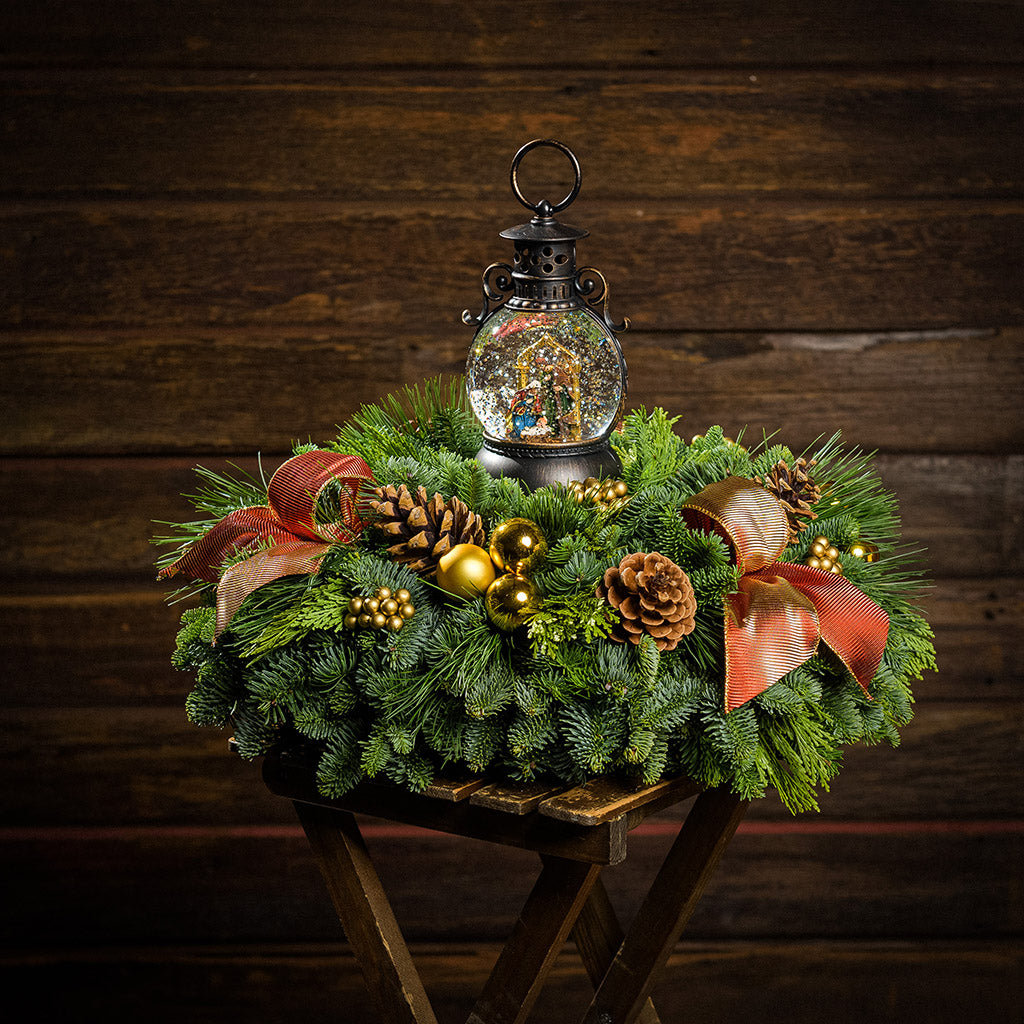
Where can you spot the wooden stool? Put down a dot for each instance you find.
(576, 832)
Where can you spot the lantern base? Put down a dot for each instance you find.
(542, 467)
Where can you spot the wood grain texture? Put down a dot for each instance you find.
(149, 766)
(142, 886)
(393, 984)
(383, 136)
(537, 937)
(604, 799)
(225, 226)
(704, 983)
(514, 797)
(731, 264)
(113, 647)
(963, 509)
(508, 34)
(604, 844)
(453, 790)
(667, 907)
(598, 936)
(249, 389)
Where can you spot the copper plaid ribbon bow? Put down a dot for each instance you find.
(780, 611)
(286, 521)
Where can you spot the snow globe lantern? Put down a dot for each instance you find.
(545, 373)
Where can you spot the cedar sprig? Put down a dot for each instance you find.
(573, 617)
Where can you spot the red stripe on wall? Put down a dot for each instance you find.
(142, 833)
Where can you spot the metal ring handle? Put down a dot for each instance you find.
(544, 208)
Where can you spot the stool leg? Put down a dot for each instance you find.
(366, 915)
(547, 917)
(667, 907)
(598, 935)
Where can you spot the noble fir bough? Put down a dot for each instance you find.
(618, 632)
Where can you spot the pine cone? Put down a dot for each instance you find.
(652, 595)
(796, 491)
(424, 528)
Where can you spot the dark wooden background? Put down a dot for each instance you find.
(225, 225)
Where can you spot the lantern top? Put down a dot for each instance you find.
(543, 227)
(543, 275)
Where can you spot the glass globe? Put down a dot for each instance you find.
(545, 378)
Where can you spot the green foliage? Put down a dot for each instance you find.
(340, 766)
(595, 733)
(215, 696)
(434, 415)
(711, 458)
(579, 616)
(650, 451)
(322, 608)
(192, 644)
(853, 496)
(559, 698)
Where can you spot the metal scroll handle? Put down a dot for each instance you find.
(544, 208)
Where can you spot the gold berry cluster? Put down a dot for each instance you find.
(609, 493)
(385, 610)
(824, 555)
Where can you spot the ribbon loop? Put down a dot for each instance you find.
(775, 619)
(288, 558)
(297, 541)
(296, 487)
(749, 517)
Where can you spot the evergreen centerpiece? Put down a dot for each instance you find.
(287, 649)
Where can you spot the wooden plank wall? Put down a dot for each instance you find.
(224, 226)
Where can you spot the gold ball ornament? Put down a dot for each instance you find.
(389, 606)
(395, 623)
(864, 550)
(406, 610)
(465, 571)
(379, 620)
(402, 596)
(355, 606)
(383, 593)
(511, 601)
(518, 546)
(351, 621)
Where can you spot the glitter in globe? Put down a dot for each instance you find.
(538, 378)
